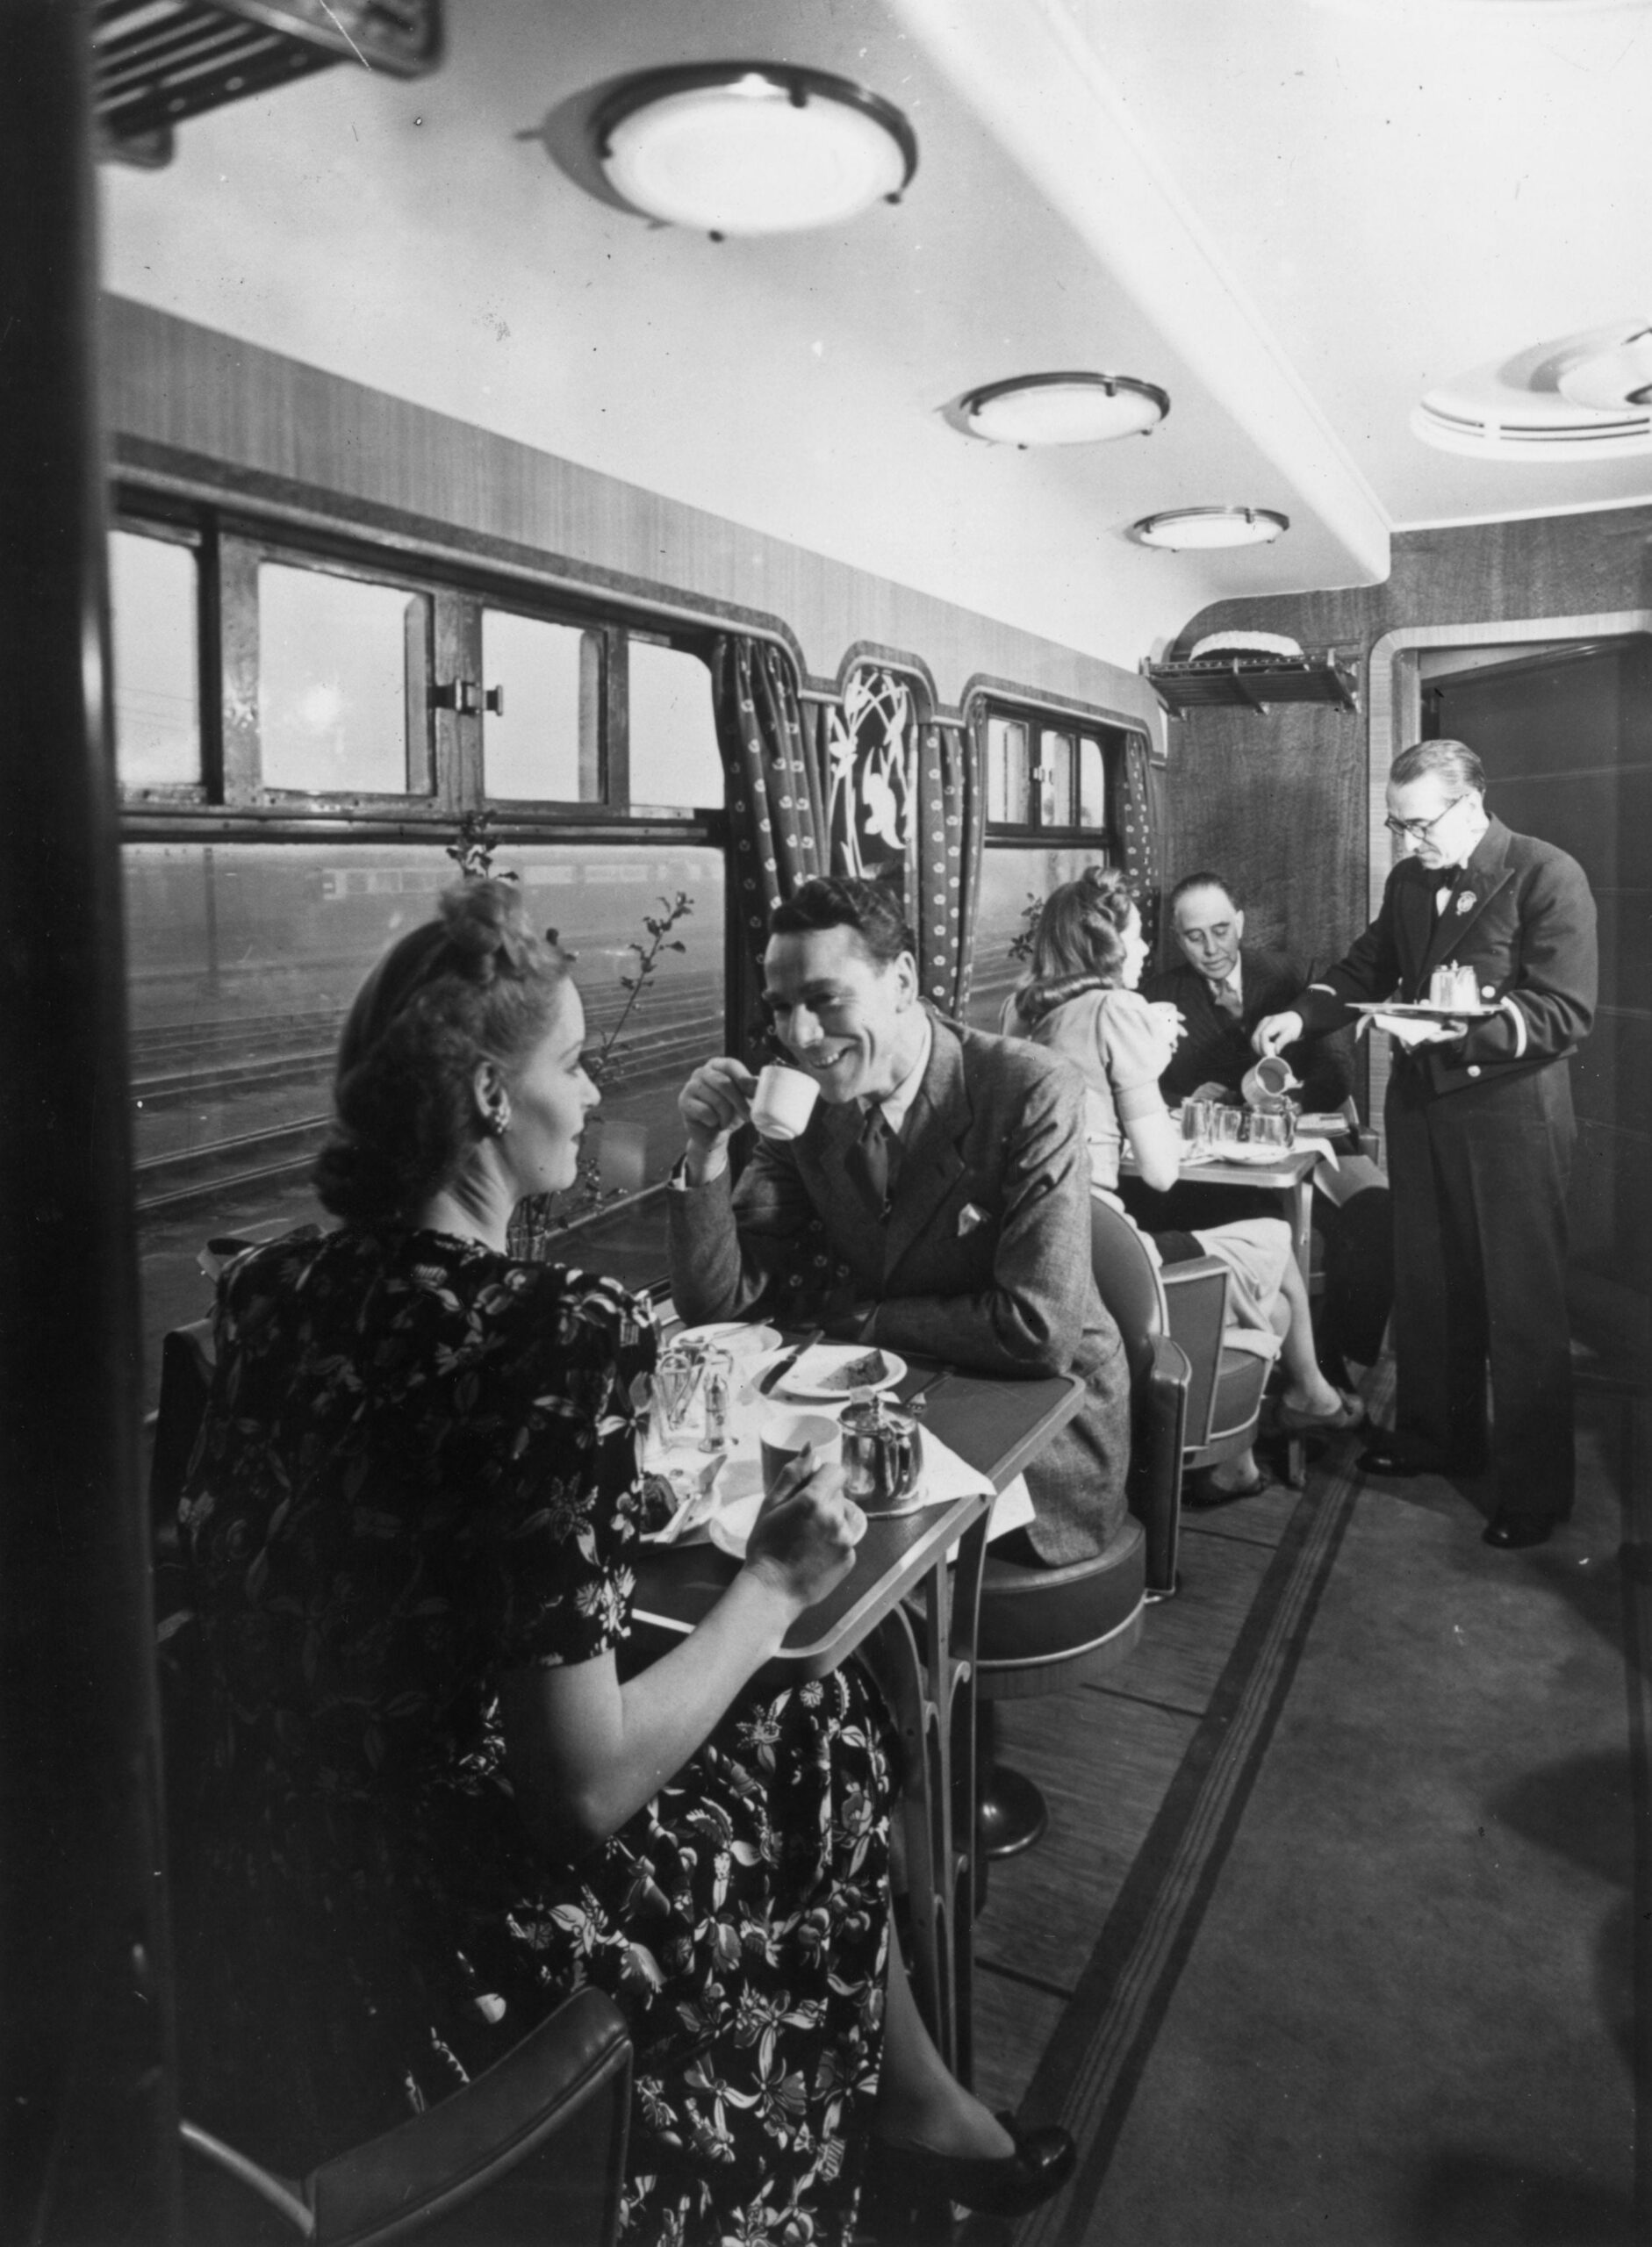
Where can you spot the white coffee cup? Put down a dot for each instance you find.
(783, 1101)
(781, 1437)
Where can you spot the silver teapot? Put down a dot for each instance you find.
(883, 1454)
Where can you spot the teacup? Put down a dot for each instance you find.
(782, 1438)
(783, 1101)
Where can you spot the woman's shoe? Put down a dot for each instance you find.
(1350, 1413)
(1201, 1491)
(1041, 2163)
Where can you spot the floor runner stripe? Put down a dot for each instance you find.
(1095, 2059)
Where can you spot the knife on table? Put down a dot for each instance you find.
(783, 1365)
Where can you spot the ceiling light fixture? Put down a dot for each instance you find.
(1585, 395)
(752, 147)
(1181, 529)
(1070, 409)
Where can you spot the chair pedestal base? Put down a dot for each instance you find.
(1012, 1817)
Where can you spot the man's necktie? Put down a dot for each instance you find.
(868, 1160)
(1450, 877)
(1228, 1000)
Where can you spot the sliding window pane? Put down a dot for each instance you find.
(541, 744)
(335, 661)
(1055, 780)
(152, 600)
(1092, 784)
(1013, 885)
(675, 763)
(1008, 800)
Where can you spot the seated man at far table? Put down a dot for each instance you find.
(937, 1201)
(1222, 989)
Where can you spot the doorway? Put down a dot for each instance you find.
(1564, 730)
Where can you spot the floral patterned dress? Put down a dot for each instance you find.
(416, 1473)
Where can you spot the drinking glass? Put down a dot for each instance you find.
(1195, 1125)
(1227, 1126)
(677, 1383)
(1274, 1131)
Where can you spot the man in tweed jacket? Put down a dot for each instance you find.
(976, 1247)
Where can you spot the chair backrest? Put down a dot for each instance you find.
(1196, 1295)
(186, 1382)
(531, 2153)
(1128, 1282)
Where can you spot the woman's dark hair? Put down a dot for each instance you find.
(845, 901)
(477, 984)
(1078, 944)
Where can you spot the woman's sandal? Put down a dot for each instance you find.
(1349, 1414)
(1201, 1491)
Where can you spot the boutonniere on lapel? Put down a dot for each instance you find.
(1465, 900)
(968, 1217)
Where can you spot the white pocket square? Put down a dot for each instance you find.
(968, 1217)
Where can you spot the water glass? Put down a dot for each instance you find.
(1227, 1126)
(678, 1377)
(1195, 1125)
(1274, 1130)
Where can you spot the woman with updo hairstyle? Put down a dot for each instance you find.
(430, 1801)
(1080, 998)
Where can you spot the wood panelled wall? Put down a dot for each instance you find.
(177, 393)
(1280, 801)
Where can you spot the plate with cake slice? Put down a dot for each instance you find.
(832, 1372)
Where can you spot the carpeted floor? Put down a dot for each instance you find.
(1377, 1984)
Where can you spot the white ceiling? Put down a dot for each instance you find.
(1293, 215)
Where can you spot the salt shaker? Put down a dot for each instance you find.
(715, 1398)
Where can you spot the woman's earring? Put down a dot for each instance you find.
(498, 1119)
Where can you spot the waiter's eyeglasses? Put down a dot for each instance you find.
(1419, 829)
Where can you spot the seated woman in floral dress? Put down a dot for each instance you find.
(426, 1801)
(1081, 999)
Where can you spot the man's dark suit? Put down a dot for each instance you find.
(1479, 1153)
(1216, 1048)
(985, 1258)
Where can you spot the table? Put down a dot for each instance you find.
(1291, 1176)
(912, 1620)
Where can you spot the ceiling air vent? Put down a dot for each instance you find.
(1588, 395)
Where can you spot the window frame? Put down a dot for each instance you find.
(1078, 724)
(231, 796)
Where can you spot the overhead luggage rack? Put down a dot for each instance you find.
(1254, 682)
(157, 62)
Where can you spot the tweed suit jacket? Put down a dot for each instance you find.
(1216, 1050)
(984, 1260)
(1522, 918)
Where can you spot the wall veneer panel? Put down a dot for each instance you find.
(171, 383)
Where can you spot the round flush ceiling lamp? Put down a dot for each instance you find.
(752, 147)
(1617, 380)
(1184, 530)
(1071, 409)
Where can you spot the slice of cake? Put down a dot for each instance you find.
(859, 1373)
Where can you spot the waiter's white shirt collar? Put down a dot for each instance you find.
(1233, 981)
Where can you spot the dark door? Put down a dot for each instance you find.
(1566, 739)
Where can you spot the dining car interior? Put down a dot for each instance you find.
(639, 469)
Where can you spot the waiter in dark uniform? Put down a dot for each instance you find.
(1479, 1132)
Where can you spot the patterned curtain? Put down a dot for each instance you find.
(951, 827)
(770, 741)
(1144, 825)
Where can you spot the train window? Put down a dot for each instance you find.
(1047, 778)
(342, 667)
(1013, 884)
(152, 607)
(244, 958)
(674, 759)
(541, 705)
